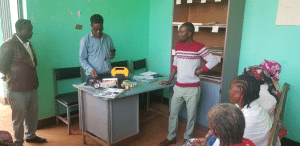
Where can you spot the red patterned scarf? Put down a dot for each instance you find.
(266, 73)
(245, 142)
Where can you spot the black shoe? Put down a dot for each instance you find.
(168, 142)
(36, 140)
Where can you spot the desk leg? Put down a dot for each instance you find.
(148, 94)
(80, 109)
(81, 119)
(109, 122)
(84, 141)
(154, 110)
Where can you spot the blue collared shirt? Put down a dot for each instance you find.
(93, 53)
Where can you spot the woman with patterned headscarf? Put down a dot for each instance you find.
(267, 73)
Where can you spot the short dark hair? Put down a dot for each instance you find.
(228, 122)
(20, 24)
(96, 18)
(190, 27)
(250, 87)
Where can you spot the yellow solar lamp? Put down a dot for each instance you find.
(120, 70)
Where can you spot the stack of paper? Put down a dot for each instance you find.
(148, 73)
(109, 92)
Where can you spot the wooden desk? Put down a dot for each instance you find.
(108, 120)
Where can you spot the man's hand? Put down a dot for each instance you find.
(94, 74)
(164, 83)
(199, 142)
(111, 53)
(198, 72)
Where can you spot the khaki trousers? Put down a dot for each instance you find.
(191, 96)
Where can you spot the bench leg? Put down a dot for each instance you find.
(56, 111)
(69, 120)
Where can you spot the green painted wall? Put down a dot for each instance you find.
(56, 42)
(160, 35)
(160, 32)
(262, 39)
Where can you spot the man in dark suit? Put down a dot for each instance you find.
(18, 64)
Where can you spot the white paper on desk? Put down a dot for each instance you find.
(203, 1)
(217, 0)
(142, 77)
(178, 2)
(148, 73)
(110, 92)
(189, 1)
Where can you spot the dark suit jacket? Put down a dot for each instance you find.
(16, 65)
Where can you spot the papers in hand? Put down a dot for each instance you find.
(109, 92)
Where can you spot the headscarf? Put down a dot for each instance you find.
(267, 72)
(272, 67)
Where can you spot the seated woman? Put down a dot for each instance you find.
(244, 93)
(227, 123)
(268, 75)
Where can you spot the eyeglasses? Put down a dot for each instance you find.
(96, 30)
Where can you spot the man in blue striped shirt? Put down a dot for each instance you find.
(96, 50)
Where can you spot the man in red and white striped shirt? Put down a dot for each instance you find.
(187, 66)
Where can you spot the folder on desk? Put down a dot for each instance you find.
(150, 73)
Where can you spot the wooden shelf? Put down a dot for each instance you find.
(211, 75)
(201, 25)
(179, 2)
(217, 51)
(201, 13)
(211, 80)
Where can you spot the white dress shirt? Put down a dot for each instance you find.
(27, 47)
(266, 100)
(258, 124)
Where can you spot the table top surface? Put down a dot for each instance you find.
(141, 87)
